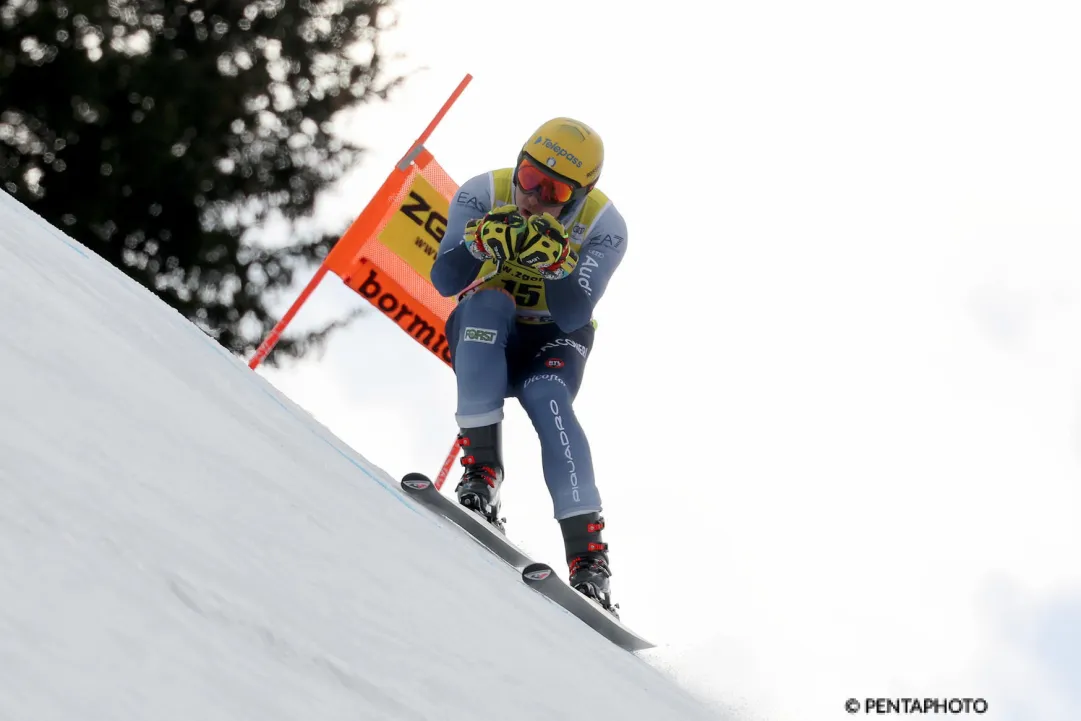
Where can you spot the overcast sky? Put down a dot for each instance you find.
(834, 398)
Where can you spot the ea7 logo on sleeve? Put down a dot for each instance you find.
(481, 335)
(612, 241)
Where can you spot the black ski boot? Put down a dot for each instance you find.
(587, 559)
(483, 460)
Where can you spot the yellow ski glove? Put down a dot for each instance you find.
(546, 248)
(496, 235)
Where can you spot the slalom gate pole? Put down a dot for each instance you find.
(416, 149)
(272, 338)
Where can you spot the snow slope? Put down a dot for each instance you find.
(180, 541)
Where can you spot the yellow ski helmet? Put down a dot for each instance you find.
(566, 150)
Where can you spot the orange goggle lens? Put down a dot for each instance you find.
(532, 179)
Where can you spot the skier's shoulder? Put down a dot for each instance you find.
(477, 193)
(600, 222)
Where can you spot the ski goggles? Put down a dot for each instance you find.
(533, 179)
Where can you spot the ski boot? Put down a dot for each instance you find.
(587, 559)
(483, 461)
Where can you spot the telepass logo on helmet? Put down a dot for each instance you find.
(561, 161)
(557, 152)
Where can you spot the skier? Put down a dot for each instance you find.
(529, 251)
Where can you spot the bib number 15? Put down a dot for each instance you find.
(525, 294)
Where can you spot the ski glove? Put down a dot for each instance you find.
(496, 235)
(546, 248)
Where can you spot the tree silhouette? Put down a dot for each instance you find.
(159, 133)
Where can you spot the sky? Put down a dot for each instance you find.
(835, 399)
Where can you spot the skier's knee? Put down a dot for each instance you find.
(482, 323)
(491, 300)
(542, 390)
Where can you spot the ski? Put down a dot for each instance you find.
(420, 487)
(538, 576)
(544, 580)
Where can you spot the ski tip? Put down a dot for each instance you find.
(537, 572)
(416, 482)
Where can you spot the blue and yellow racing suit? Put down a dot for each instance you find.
(535, 346)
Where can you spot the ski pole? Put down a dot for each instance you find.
(445, 471)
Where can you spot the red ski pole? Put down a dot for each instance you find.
(447, 465)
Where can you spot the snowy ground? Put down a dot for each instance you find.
(180, 541)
